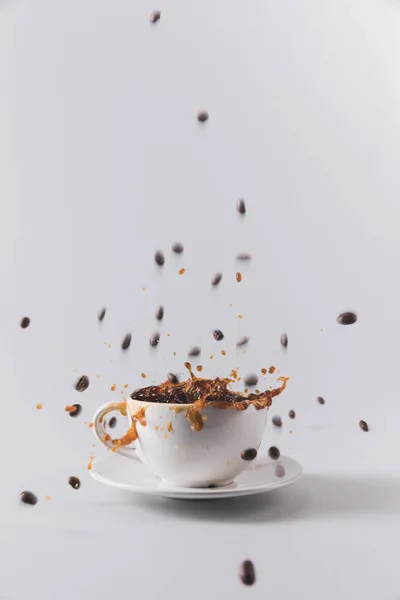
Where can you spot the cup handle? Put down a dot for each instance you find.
(101, 434)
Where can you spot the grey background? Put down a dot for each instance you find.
(103, 162)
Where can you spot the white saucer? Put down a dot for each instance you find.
(132, 474)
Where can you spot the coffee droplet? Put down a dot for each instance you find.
(364, 425)
(216, 279)
(320, 400)
(159, 258)
(218, 335)
(251, 380)
(347, 318)
(243, 256)
(242, 342)
(247, 573)
(249, 454)
(159, 313)
(126, 342)
(74, 410)
(112, 422)
(292, 414)
(202, 116)
(82, 384)
(239, 277)
(155, 338)
(25, 322)
(280, 471)
(274, 453)
(178, 248)
(155, 16)
(241, 206)
(74, 482)
(173, 378)
(195, 351)
(284, 340)
(101, 314)
(277, 421)
(29, 498)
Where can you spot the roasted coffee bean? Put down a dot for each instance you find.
(277, 421)
(320, 400)
(28, 498)
(195, 351)
(112, 422)
(172, 378)
(202, 116)
(25, 322)
(243, 256)
(284, 340)
(247, 572)
(249, 454)
(159, 313)
(155, 338)
(218, 335)
(251, 380)
(82, 384)
(126, 342)
(216, 279)
(159, 258)
(178, 248)
(292, 414)
(101, 314)
(274, 453)
(76, 412)
(74, 482)
(347, 318)
(155, 16)
(242, 342)
(241, 206)
(364, 425)
(280, 471)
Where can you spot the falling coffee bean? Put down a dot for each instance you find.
(25, 322)
(28, 498)
(126, 342)
(280, 471)
(101, 314)
(364, 425)
(284, 340)
(216, 279)
(218, 335)
(178, 248)
(242, 342)
(241, 206)
(320, 400)
(249, 454)
(277, 421)
(173, 378)
(243, 256)
(74, 482)
(112, 422)
(155, 338)
(202, 116)
(247, 573)
(251, 380)
(76, 412)
(195, 351)
(347, 318)
(274, 453)
(159, 313)
(159, 258)
(292, 414)
(155, 16)
(82, 384)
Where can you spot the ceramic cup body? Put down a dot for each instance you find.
(183, 456)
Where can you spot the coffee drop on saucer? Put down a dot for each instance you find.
(82, 384)
(218, 335)
(195, 351)
(160, 313)
(126, 342)
(274, 453)
(155, 338)
(249, 454)
(178, 248)
(364, 425)
(216, 279)
(74, 482)
(29, 498)
(280, 471)
(101, 314)
(284, 340)
(241, 206)
(159, 258)
(277, 421)
(347, 318)
(173, 378)
(251, 380)
(247, 573)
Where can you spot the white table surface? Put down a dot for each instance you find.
(103, 162)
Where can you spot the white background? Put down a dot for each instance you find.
(102, 162)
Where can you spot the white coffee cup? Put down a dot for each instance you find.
(180, 454)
